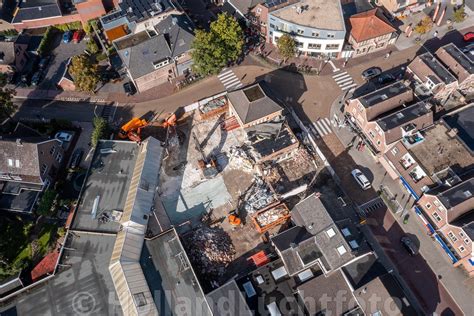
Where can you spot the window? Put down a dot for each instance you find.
(300, 31)
(259, 10)
(59, 157)
(52, 150)
(346, 232)
(466, 241)
(139, 299)
(461, 248)
(331, 233)
(330, 35)
(341, 250)
(44, 167)
(17, 163)
(353, 244)
(332, 46)
(272, 26)
(10, 162)
(372, 135)
(452, 237)
(315, 34)
(378, 142)
(428, 205)
(160, 63)
(395, 151)
(314, 46)
(436, 217)
(461, 234)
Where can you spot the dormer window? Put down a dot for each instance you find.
(160, 63)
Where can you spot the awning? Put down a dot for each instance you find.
(445, 247)
(410, 190)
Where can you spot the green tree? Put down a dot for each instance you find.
(459, 15)
(92, 46)
(45, 205)
(222, 44)
(100, 130)
(424, 26)
(84, 73)
(7, 107)
(286, 46)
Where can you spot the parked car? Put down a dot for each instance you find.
(67, 36)
(386, 78)
(77, 36)
(372, 72)
(469, 37)
(129, 88)
(361, 179)
(409, 245)
(76, 158)
(36, 79)
(44, 62)
(63, 136)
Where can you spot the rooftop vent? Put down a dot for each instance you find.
(467, 193)
(400, 115)
(19, 142)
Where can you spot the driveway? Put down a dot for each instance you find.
(60, 55)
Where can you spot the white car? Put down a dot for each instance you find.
(361, 179)
(63, 136)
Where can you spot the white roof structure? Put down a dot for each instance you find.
(127, 274)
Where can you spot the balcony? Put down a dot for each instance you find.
(417, 174)
(407, 161)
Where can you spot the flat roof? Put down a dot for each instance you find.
(320, 14)
(383, 94)
(463, 122)
(108, 182)
(87, 279)
(363, 270)
(438, 151)
(228, 299)
(403, 116)
(170, 276)
(437, 68)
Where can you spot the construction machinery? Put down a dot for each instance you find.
(132, 128)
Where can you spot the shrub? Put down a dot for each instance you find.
(47, 40)
(92, 46)
(100, 130)
(459, 15)
(45, 205)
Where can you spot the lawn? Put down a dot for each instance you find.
(16, 246)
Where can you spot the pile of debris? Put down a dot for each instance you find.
(213, 104)
(271, 215)
(240, 158)
(210, 250)
(257, 196)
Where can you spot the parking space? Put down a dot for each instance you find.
(59, 57)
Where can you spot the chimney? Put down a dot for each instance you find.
(19, 142)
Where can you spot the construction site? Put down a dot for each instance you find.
(227, 191)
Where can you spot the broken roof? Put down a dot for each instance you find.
(370, 24)
(253, 102)
(403, 116)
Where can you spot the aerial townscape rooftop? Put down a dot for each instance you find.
(236, 157)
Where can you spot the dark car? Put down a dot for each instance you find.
(386, 78)
(371, 73)
(44, 62)
(67, 36)
(129, 88)
(409, 245)
(36, 79)
(76, 158)
(469, 37)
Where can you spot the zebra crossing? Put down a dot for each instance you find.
(229, 80)
(322, 127)
(372, 205)
(344, 80)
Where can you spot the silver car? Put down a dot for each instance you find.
(361, 179)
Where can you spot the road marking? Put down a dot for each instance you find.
(349, 87)
(327, 124)
(344, 80)
(226, 76)
(316, 126)
(340, 74)
(322, 127)
(224, 73)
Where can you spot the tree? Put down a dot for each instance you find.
(84, 73)
(286, 46)
(100, 130)
(424, 26)
(45, 205)
(459, 15)
(7, 107)
(215, 49)
(92, 46)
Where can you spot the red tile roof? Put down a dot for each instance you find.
(46, 265)
(369, 24)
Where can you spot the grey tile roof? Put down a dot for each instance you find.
(385, 93)
(36, 9)
(253, 102)
(139, 51)
(403, 116)
(458, 194)
(228, 299)
(244, 5)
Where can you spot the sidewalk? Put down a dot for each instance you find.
(456, 282)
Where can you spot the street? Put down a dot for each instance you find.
(439, 287)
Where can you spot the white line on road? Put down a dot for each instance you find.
(349, 87)
(316, 126)
(344, 80)
(222, 74)
(340, 74)
(327, 124)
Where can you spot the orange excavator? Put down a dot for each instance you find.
(132, 129)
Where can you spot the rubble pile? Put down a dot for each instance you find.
(257, 196)
(272, 215)
(210, 250)
(212, 105)
(240, 159)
